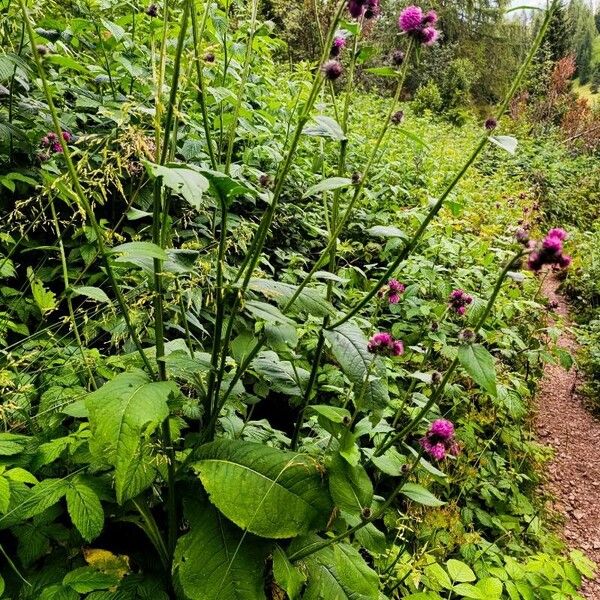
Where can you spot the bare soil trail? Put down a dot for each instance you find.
(563, 423)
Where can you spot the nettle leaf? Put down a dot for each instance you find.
(505, 142)
(266, 312)
(350, 486)
(283, 492)
(417, 493)
(325, 127)
(124, 412)
(460, 571)
(85, 509)
(349, 347)
(281, 374)
(87, 579)
(224, 186)
(184, 180)
(288, 577)
(44, 299)
(337, 571)
(333, 183)
(216, 560)
(479, 364)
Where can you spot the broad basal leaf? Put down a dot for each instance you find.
(337, 572)
(270, 492)
(310, 300)
(280, 374)
(417, 493)
(216, 560)
(123, 414)
(349, 347)
(479, 364)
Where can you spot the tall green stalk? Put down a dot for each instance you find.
(242, 86)
(80, 194)
(198, 33)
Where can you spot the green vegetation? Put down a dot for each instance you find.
(267, 325)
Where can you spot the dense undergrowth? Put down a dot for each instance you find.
(278, 364)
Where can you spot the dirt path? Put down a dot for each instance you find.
(574, 474)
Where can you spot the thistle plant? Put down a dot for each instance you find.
(163, 436)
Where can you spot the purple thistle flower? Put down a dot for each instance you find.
(491, 124)
(152, 10)
(430, 18)
(397, 117)
(428, 36)
(67, 136)
(549, 252)
(339, 43)
(56, 147)
(397, 57)
(385, 344)
(442, 428)
(332, 69)
(439, 439)
(559, 233)
(355, 8)
(522, 236)
(52, 137)
(373, 10)
(411, 19)
(459, 301)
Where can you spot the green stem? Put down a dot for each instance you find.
(198, 34)
(406, 251)
(243, 82)
(153, 532)
(79, 193)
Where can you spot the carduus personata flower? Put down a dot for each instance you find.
(392, 291)
(372, 10)
(490, 124)
(397, 117)
(384, 343)
(332, 69)
(459, 301)
(356, 7)
(439, 440)
(549, 251)
(152, 10)
(339, 43)
(418, 25)
(397, 57)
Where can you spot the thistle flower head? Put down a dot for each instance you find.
(356, 7)
(384, 343)
(397, 117)
(549, 251)
(332, 69)
(372, 9)
(439, 440)
(397, 57)
(459, 301)
(339, 43)
(411, 19)
(152, 10)
(420, 26)
(490, 123)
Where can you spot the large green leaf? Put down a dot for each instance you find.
(286, 575)
(350, 486)
(185, 180)
(281, 374)
(479, 364)
(324, 126)
(270, 492)
(337, 572)
(85, 509)
(310, 300)
(332, 183)
(349, 347)
(417, 493)
(216, 560)
(123, 414)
